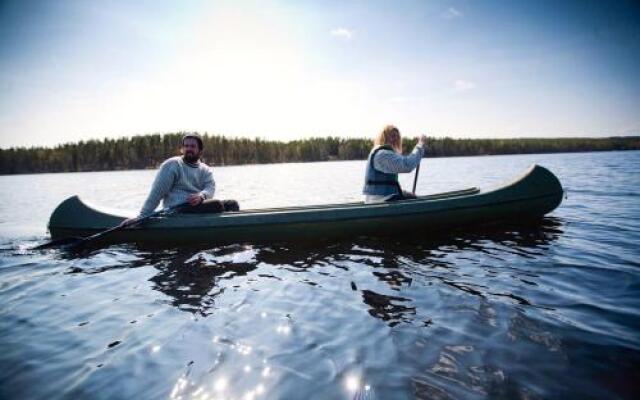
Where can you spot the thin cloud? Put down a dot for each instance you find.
(461, 85)
(342, 33)
(451, 13)
(405, 99)
(630, 129)
(399, 99)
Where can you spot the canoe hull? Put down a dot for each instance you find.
(532, 196)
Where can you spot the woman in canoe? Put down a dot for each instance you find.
(386, 162)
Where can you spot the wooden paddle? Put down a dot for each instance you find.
(71, 243)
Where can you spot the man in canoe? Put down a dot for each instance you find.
(185, 179)
(386, 162)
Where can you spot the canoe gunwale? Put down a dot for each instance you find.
(345, 219)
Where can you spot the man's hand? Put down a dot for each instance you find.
(423, 141)
(128, 222)
(195, 199)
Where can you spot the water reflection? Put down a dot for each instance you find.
(442, 259)
(192, 280)
(191, 276)
(358, 389)
(248, 384)
(390, 309)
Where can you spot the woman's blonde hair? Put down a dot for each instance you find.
(390, 135)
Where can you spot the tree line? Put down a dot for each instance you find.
(148, 151)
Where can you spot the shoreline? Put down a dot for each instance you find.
(215, 165)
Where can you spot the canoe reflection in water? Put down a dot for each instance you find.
(192, 276)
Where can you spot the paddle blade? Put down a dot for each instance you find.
(65, 242)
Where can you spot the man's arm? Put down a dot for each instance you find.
(209, 184)
(162, 185)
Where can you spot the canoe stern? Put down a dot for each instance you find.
(75, 215)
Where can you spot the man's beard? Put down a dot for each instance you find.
(190, 157)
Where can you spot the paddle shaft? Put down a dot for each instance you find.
(415, 179)
(136, 221)
(108, 231)
(75, 242)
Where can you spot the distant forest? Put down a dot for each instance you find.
(148, 151)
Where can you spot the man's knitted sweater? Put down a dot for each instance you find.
(176, 181)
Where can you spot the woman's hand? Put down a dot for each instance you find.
(422, 141)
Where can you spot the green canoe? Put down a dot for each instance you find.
(534, 194)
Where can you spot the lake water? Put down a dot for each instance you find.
(518, 312)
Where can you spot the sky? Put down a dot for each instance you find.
(75, 70)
